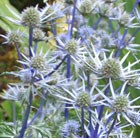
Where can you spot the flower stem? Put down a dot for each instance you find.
(73, 19)
(18, 52)
(70, 31)
(30, 40)
(97, 22)
(39, 111)
(68, 67)
(68, 74)
(35, 47)
(83, 122)
(112, 126)
(26, 116)
(49, 74)
(53, 29)
(90, 124)
(135, 6)
(90, 113)
(100, 110)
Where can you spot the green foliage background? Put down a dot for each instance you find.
(5, 25)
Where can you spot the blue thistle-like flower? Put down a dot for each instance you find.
(120, 103)
(31, 17)
(13, 37)
(38, 64)
(15, 92)
(85, 6)
(70, 128)
(38, 35)
(109, 67)
(85, 31)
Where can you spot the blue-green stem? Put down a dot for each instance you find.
(56, 68)
(26, 116)
(111, 26)
(135, 6)
(39, 111)
(68, 74)
(30, 40)
(68, 67)
(19, 55)
(97, 23)
(73, 19)
(90, 108)
(112, 125)
(100, 110)
(18, 52)
(35, 47)
(53, 29)
(90, 124)
(83, 123)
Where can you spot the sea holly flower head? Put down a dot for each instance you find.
(103, 8)
(85, 31)
(120, 103)
(13, 37)
(78, 97)
(37, 63)
(52, 12)
(70, 128)
(31, 17)
(85, 6)
(109, 67)
(15, 93)
(101, 40)
(38, 35)
(71, 47)
(83, 99)
(35, 17)
(123, 18)
(25, 76)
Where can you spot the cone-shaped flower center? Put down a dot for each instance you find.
(83, 99)
(38, 63)
(111, 68)
(30, 17)
(120, 104)
(71, 47)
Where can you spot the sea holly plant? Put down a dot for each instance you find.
(81, 86)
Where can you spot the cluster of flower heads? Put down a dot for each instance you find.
(88, 71)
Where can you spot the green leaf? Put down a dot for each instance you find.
(7, 107)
